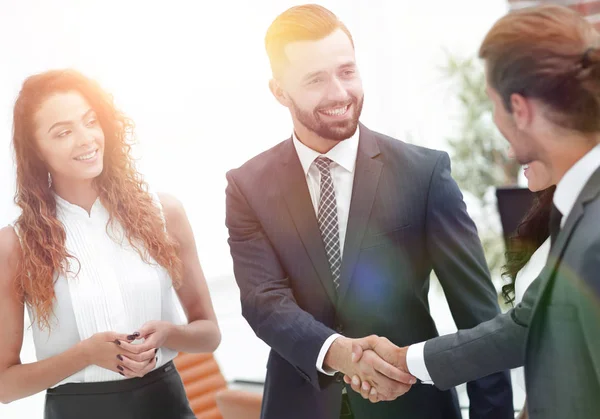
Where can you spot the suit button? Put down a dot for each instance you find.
(340, 329)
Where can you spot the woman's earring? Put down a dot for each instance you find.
(49, 180)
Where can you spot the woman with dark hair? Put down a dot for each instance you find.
(529, 247)
(95, 258)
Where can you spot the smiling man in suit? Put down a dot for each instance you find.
(334, 233)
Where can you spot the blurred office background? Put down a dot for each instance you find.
(193, 76)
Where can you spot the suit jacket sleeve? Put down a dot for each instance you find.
(268, 303)
(492, 346)
(460, 265)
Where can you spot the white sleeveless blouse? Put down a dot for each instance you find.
(110, 289)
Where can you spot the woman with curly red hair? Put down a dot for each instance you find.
(95, 258)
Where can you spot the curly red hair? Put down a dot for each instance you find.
(120, 187)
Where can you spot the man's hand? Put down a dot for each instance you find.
(387, 351)
(375, 379)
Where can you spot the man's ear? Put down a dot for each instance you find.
(280, 94)
(522, 110)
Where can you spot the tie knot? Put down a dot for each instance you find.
(555, 219)
(322, 164)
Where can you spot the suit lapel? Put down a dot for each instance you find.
(366, 179)
(295, 192)
(590, 192)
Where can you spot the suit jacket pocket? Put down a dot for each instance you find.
(383, 238)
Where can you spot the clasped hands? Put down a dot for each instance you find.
(376, 370)
(117, 352)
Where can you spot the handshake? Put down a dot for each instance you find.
(373, 366)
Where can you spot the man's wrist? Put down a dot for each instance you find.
(415, 362)
(398, 358)
(339, 354)
(321, 356)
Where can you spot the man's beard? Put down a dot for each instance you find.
(336, 131)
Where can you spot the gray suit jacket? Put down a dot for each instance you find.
(407, 217)
(554, 332)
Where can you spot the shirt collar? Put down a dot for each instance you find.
(570, 186)
(344, 153)
(65, 207)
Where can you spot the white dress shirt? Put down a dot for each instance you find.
(565, 196)
(343, 156)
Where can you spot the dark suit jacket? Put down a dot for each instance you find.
(407, 217)
(554, 332)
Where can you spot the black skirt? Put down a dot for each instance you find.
(157, 395)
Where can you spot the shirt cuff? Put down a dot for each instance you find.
(323, 352)
(415, 361)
